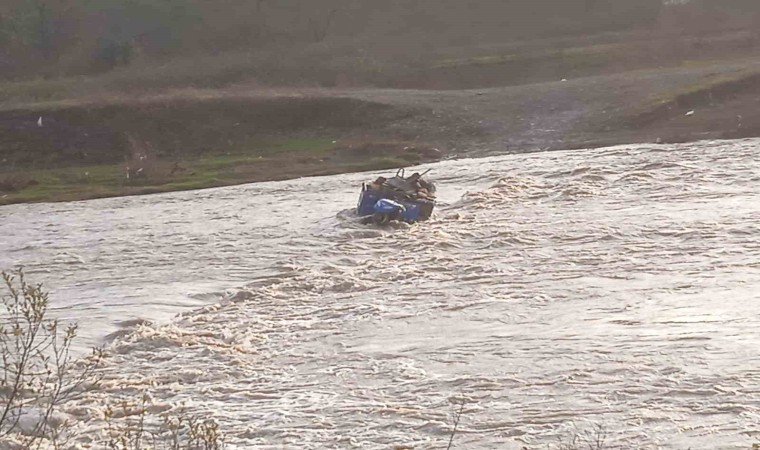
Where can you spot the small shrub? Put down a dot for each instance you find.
(38, 372)
(133, 431)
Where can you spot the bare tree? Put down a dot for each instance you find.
(176, 432)
(38, 372)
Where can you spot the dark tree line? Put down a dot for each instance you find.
(64, 36)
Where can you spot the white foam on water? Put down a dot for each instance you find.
(551, 291)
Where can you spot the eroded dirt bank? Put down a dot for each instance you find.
(354, 129)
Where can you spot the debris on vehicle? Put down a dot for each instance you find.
(407, 199)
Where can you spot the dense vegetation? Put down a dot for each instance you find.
(63, 37)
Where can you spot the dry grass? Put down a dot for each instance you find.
(340, 62)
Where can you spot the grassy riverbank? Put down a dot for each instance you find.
(288, 159)
(54, 152)
(172, 128)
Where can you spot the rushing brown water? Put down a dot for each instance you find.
(553, 292)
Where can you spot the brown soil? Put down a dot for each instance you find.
(639, 106)
(633, 107)
(178, 128)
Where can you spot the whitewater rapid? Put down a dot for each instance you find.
(552, 292)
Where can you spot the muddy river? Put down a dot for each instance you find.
(553, 293)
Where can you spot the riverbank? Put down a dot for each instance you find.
(87, 150)
(87, 147)
(287, 160)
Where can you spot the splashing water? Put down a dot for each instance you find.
(551, 292)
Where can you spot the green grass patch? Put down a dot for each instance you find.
(305, 144)
(199, 182)
(219, 162)
(275, 160)
(386, 162)
(263, 152)
(110, 180)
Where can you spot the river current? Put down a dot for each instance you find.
(553, 293)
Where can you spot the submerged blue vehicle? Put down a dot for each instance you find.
(407, 199)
